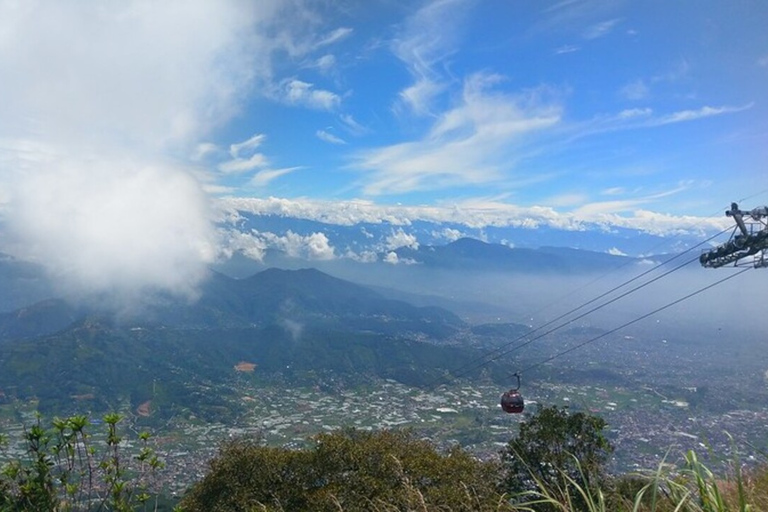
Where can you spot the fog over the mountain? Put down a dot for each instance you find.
(85, 91)
(731, 308)
(120, 226)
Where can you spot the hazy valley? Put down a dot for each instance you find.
(431, 345)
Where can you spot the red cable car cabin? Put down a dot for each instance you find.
(512, 402)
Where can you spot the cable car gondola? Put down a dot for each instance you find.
(512, 401)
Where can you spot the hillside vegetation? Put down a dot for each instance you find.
(555, 464)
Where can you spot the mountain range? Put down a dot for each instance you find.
(301, 326)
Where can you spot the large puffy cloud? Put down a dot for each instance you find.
(143, 72)
(98, 97)
(119, 226)
(314, 246)
(400, 238)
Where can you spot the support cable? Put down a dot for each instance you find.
(501, 351)
(643, 317)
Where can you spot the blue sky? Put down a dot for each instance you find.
(582, 106)
(126, 124)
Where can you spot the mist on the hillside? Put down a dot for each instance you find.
(731, 308)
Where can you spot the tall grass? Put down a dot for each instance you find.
(692, 488)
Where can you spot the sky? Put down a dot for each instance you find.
(123, 124)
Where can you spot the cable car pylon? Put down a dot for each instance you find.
(747, 239)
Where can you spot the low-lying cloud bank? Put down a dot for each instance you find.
(473, 214)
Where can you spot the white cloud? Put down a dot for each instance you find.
(635, 112)
(75, 70)
(263, 178)
(325, 63)
(449, 234)
(363, 256)
(601, 29)
(203, 150)
(613, 251)
(419, 95)
(352, 125)
(304, 94)
(425, 39)
(329, 137)
(691, 115)
(121, 226)
(391, 258)
(318, 247)
(247, 146)
(474, 142)
(635, 91)
(241, 165)
(637, 118)
(567, 48)
(335, 36)
(314, 246)
(400, 238)
(97, 102)
(479, 213)
(253, 247)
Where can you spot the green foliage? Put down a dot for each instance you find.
(557, 451)
(690, 488)
(65, 472)
(695, 488)
(174, 367)
(347, 470)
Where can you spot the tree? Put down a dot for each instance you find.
(348, 470)
(553, 447)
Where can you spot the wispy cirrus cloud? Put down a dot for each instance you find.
(352, 126)
(335, 36)
(265, 176)
(330, 138)
(588, 19)
(241, 165)
(471, 143)
(636, 90)
(245, 160)
(594, 210)
(601, 29)
(247, 145)
(426, 39)
(244, 157)
(635, 113)
(566, 48)
(638, 118)
(325, 63)
(692, 115)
